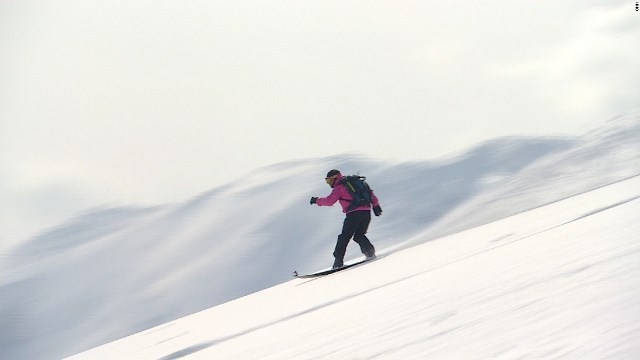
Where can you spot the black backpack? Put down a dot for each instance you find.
(359, 190)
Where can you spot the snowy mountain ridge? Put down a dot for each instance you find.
(113, 272)
(557, 282)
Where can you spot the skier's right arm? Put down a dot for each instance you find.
(331, 199)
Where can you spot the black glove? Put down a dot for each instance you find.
(313, 200)
(377, 210)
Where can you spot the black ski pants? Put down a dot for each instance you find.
(355, 225)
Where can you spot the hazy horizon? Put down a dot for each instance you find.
(140, 102)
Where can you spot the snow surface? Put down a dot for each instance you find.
(558, 282)
(113, 272)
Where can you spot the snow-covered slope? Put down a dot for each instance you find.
(112, 272)
(558, 282)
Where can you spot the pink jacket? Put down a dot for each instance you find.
(340, 193)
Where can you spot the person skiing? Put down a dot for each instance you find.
(356, 221)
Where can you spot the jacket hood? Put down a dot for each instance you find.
(337, 181)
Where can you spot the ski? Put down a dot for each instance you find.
(330, 271)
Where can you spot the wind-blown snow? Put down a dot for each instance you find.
(113, 272)
(557, 282)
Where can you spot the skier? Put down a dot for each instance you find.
(356, 221)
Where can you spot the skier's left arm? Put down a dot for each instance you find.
(375, 204)
(374, 200)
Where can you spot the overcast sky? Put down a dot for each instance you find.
(147, 102)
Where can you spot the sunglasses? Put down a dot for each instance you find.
(330, 179)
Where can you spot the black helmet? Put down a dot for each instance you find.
(333, 172)
(331, 177)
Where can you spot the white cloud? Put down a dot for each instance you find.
(153, 102)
